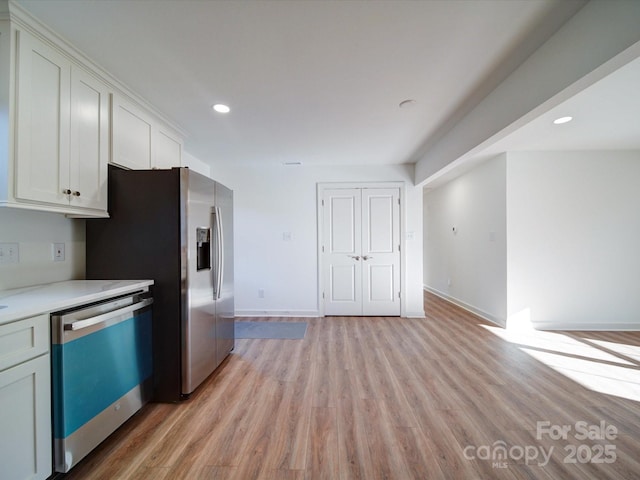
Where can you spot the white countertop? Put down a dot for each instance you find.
(26, 302)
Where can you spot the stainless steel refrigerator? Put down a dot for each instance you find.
(175, 227)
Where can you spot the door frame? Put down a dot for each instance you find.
(321, 187)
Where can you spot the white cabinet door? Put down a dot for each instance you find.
(361, 257)
(139, 142)
(25, 399)
(131, 131)
(25, 420)
(89, 141)
(167, 150)
(42, 148)
(62, 130)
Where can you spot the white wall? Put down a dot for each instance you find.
(35, 232)
(573, 239)
(468, 266)
(270, 201)
(195, 164)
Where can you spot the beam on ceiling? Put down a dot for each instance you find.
(600, 38)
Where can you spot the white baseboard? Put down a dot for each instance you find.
(302, 313)
(470, 308)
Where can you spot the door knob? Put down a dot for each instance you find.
(355, 257)
(66, 191)
(366, 257)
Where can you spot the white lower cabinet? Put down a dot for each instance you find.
(25, 398)
(25, 420)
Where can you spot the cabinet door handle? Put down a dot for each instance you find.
(66, 191)
(76, 193)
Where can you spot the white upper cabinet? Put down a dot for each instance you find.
(167, 150)
(62, 128)
(131, 128)
(89, 140)
(63, 119)
(140, 142)
(43, 116)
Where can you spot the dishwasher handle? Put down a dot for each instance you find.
(90, 322)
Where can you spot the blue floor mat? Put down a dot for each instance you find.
(281, 330)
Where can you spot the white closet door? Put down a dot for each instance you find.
(361, 251)
(380, 252)
(342, 256)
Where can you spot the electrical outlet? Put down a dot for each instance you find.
(58, 252)
(9, 253)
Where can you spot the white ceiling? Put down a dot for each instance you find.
(606, 116)
(319, 82)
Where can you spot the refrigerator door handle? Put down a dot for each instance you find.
(219, 250)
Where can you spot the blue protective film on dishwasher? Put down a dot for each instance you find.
(99, 369)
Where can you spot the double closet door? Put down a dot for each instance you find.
(361, 251)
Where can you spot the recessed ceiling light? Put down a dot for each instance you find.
(220, 108)
(407, 103)
(561, 120)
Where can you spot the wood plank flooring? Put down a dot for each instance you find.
(394, 398)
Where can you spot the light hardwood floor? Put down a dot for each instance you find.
(395, 398)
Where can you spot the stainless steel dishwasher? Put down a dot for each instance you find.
(101, 372)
